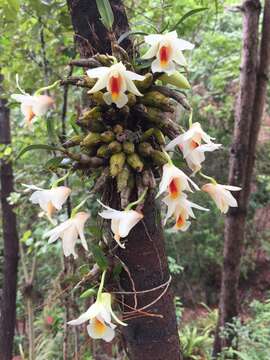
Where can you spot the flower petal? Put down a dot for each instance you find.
(41, 104)
(69, 238)
(92, 312)
(100, 84)
(59, 196)
(133, 76)
(121, 100)
(129, 219)
(184, 45)
(98, 72)
(132, 88)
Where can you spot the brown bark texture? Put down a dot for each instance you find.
(249, 112)
(147, 337)
(11, 249)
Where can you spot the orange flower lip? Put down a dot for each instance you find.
(180, 221)
(164, 55)
(173, 189)
(99, 327)
(115, 86)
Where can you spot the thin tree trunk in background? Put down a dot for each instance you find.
(239, 174)
(11, 249)
(147, 338)
(260, 96)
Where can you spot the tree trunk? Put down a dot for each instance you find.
(149, 337)
(11, 250)
(249, 111)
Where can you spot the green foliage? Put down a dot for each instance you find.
(105, 10)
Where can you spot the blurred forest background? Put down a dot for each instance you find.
(36, 42)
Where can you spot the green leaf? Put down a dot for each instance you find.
(100, 257)
(14, 4)
(88, 293)
(187, 15)
(128, 33)
(35, 147)
(106, 13)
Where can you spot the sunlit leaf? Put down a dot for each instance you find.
(36, 147)
(106, 13)
(187, 15)
(128, 33)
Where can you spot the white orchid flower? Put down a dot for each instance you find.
(99, 315)
(174, 181)
(50, 200)
(117, 80)
(167, 49)
(221, 195)
(190, 145)
(31, 106)
(69, 231)
(181, 209)
(121, 221)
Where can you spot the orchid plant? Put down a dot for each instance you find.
(126, 138)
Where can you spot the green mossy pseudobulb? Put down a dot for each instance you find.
(128, 147)
(122, 179)
(107, 136)
(115, 147)
(135, 162)
(117, 162)
(91, 139)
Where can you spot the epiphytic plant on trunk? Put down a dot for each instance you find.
(120, 143)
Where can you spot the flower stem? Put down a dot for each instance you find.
(75, 210)
(101, 285)
(18, 85)
(168, 157)
(56, 182)
(190, 118)
(39, 91)
(130, 206)
(208, 178)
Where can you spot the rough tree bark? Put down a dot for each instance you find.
(11, 249)
(249, 111)
(146, 337)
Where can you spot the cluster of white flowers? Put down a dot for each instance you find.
(166, 52)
